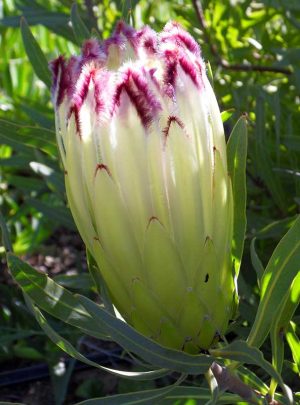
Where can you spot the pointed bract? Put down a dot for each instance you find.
(142, 143)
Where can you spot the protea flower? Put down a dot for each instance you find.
(143, 148)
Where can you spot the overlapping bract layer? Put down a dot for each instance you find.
(142, 142)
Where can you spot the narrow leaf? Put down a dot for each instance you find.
(53, 298)
(148, 397)
(256, 263)
(249, 377)
(277, 344)
(5, 234)
(242, 352)
(213, 386)
(225, 115)
(280, 326)
(11, 403)
(263, 158)
(14, 135)
(67, 347)
(99, 283)
(35, 54)
(276, 229)
(61, 215)
(294, 343)
(133, 341)
(95, 321)
(199, 394)
(236, 157)
(37, 14)
(276, 282)
(80, 30)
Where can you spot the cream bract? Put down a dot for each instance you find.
(142, 143)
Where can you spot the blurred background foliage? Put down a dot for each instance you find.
(254, 55)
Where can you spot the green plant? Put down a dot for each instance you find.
(266, 87)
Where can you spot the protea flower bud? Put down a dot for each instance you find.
(142, 143)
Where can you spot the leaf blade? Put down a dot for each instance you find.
(67, 347)
(241, 351)
(35, 54)
(134, 398)
(80, 30)
(275, 283)
(236, 158)
(76, 310)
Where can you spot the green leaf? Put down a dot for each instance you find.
(133, 341)
(199, 394)
(241, 351)
(255, 260)
(263, 158)
(250, 378)
(9, 336)
(35, 54)
(61, 214)
(5, 234)
(99, 283)
(236, 157)
(293, 367)
(294, 343)
(277, 343)
(53, 298)
(275, 283)
(95, 321)
(25, 184)
(42, 138)
(225, 115)
(191, 395)
(36, 14)
(81, 281)
(16, 135)
(16, 161)
(214, 388)
(26, 352)
(67, 347)
(276, 229)
(80, 30)
(148, 397)
(41, 116)
(281, 324)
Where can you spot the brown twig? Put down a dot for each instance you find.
(221, 61)
(230, 382)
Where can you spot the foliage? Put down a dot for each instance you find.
(253, 51)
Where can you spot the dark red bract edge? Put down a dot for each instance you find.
(104, 167)
(176, 51)
(172, 119)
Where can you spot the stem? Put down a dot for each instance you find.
(221, 61)
(227, 381)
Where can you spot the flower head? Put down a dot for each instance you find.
(142, 143)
